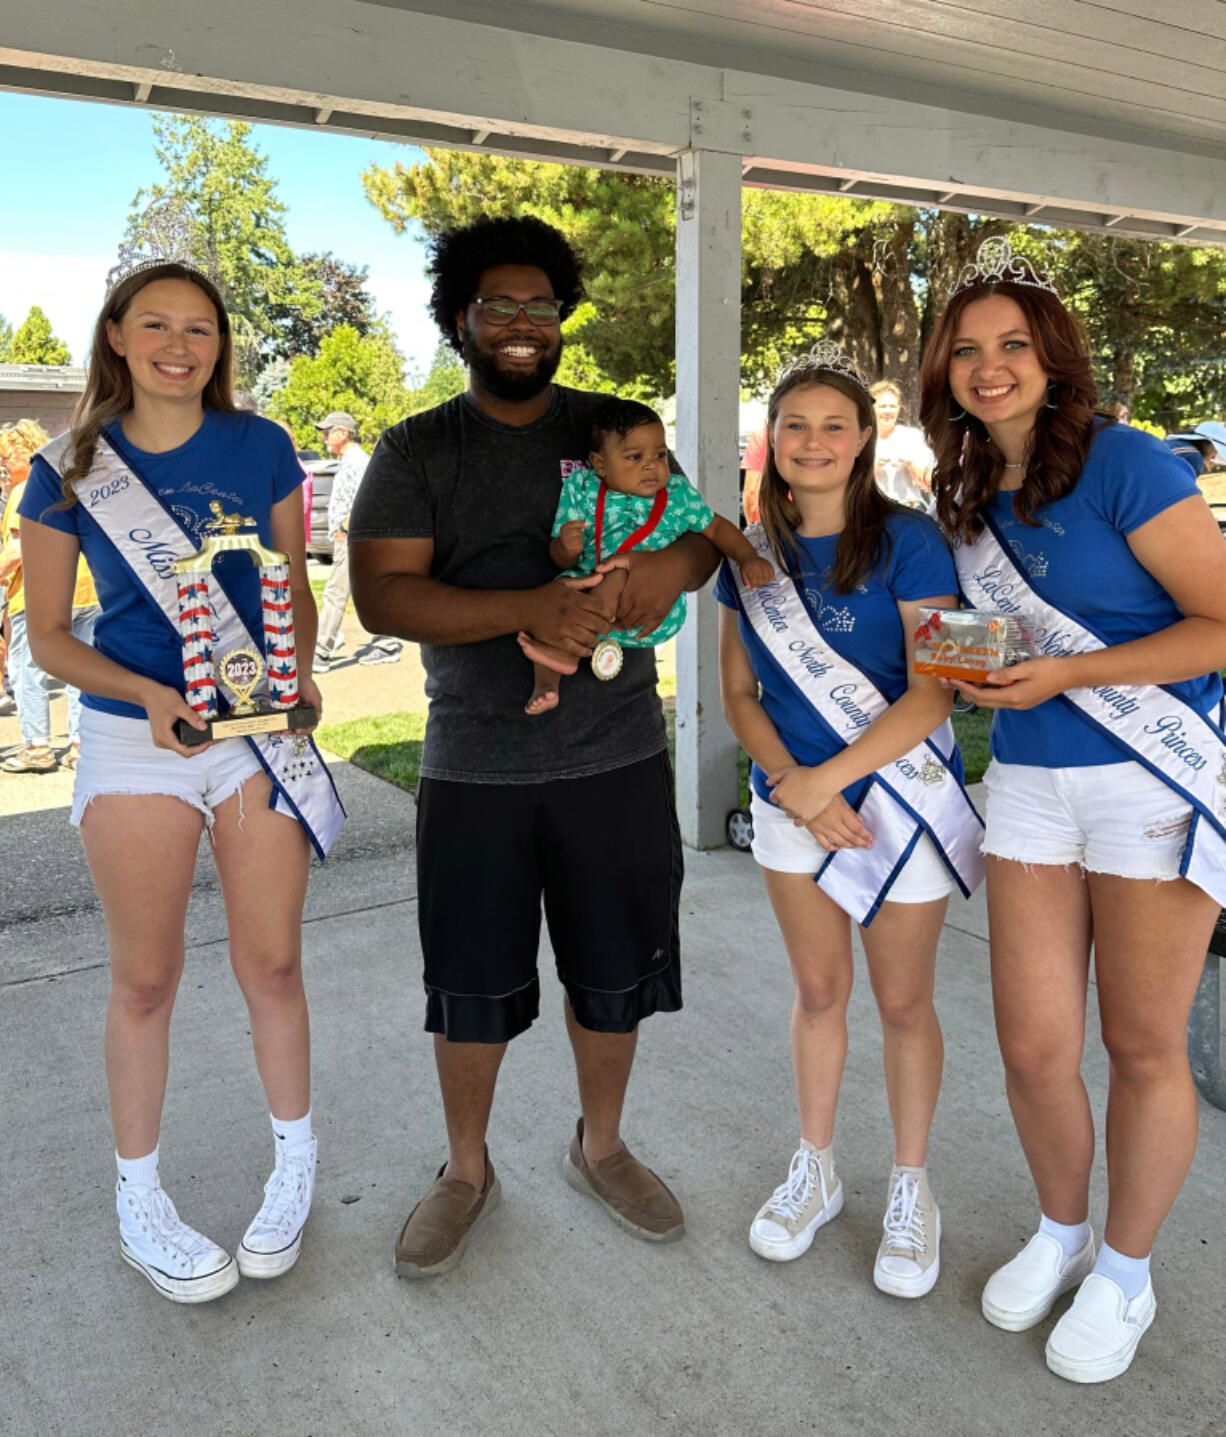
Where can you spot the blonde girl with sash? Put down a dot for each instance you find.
(858, 807)
(1105, 793)
(155, 441)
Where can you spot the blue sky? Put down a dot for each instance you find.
(71, 169)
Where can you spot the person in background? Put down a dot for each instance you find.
(753, 461)
(1200, 447)
(904, 461)
(340, 435)
(32, 686)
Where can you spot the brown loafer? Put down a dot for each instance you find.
(437, 1232)
(636, 1199)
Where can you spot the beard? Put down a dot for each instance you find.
(514, 388)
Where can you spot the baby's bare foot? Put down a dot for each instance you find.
(556, 659)
(541, 702)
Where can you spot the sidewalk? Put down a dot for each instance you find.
(556, 1322)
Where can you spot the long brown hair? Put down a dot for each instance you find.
(108, 386)
(864, 541)
(969, 467)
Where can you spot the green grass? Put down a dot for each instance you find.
(972, 734)
(389, 746)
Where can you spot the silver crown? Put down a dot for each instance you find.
(825, 355)
(996, 262)
(166, 232)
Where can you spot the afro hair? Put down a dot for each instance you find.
(619, 416)
(459, 257)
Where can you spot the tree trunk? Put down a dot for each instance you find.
(854, 319)
(899, 315)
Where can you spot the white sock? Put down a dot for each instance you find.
(138, 1172)
(292, 1138)
(1130, 1274)
(1072, 1237)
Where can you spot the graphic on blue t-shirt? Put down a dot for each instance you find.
(1078, 558)
(864, 627)
(245, 463)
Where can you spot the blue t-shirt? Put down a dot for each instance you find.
(244, 462)
(1080, 560)
(864, 627)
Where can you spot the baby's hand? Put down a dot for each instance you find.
(570, 537)
(756, 573)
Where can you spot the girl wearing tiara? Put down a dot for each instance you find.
(1104, 817)
(858, 807)
(155, 447)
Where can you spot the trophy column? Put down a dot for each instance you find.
(196, 637)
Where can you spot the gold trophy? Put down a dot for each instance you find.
(244, 669)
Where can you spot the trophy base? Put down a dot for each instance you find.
(267, 721)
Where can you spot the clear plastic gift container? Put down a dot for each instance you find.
(967, 644)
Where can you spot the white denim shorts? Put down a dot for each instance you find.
(779, 845)
(1113, 818)
(118, 756)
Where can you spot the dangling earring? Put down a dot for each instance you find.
(1050, 389)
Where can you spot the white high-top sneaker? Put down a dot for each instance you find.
(181, 1263)
(271, 1245)
(786, 1223)
(909, 1257)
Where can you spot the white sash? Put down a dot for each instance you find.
(1151, 725)
(917, 793)
(148, 539)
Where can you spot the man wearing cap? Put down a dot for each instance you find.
(340, 432)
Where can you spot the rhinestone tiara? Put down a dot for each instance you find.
(166, 233)
(995, 262)
(826, 355)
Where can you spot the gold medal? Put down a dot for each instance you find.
(607, 659)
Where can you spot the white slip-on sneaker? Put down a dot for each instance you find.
(271, 1245)
(1097, 1337)
(909, 1257)
(181, 1263)
(786, 1223)
(1024, 1291)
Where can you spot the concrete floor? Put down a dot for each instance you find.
(556, 1322)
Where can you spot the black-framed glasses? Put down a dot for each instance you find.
(498, 309)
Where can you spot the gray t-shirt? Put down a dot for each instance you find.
(486, 494)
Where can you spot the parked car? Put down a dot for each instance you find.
(322, 471)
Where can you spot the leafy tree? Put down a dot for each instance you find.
(344, 300)
(362, 374)
(624, 226)
(35, 344)
(873, 276)
(446, 378)
(6, 340)
(218, 181)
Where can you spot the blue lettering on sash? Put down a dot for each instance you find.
(808, 658)
(158, 554)
(906, 768)
(1123, 703)
(1057, 642)
(843, 697)
(772, 615)
(997, 585)
(1173, 735)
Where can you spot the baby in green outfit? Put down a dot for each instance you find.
(627, 499)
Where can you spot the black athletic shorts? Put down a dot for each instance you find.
(604, 853)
